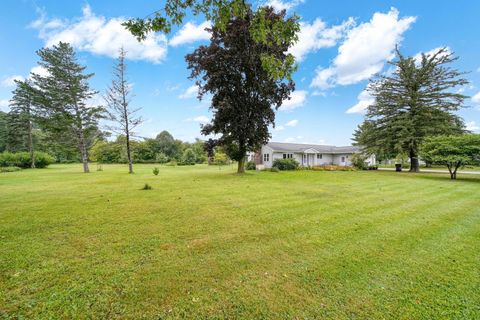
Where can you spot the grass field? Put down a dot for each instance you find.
(206, 243)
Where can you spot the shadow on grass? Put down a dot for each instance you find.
(470, 178)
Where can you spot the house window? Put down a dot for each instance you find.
(284, 156)
(266, 157)
(290, 156)
(343, 159)
(319, 156)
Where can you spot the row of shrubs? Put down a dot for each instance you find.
(292, 164)
(23, 160)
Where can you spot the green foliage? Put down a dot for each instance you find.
(161, 158)
(251, 165)
(245, 94)
(274, 169)
(221, 158)
(9, 169)
(146, 186)
(23, 160)
(156, 171)
(285, 164)
(359, 161)
(188, 157)
(417, 100)
(452, 151)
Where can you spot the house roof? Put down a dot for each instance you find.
(302, 147)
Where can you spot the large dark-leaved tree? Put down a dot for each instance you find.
(417, 100)
(244, 93)
(63, 94)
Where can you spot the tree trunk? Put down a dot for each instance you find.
(129, 155)
(414, 165)
(30, 144)
(83, 151)
(241, 164)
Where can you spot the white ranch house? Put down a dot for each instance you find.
(306, 154)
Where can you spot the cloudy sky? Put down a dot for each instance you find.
(341, 45)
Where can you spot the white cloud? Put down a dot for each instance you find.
(41, 71)
(191, 33)
(316, 35)
(201, 119)
(476, 98)
(291, 123)
(102, 36)
(472, 126)
(4, 105)
(9, 82)
(364, 100)
(418, 56)
(297, 99)
(191, 92)
(365, 50)
(283, 5)
(279, 128)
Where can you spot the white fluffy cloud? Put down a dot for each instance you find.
(317, 35)
(297, 99)
(9, 82)
(4, 105)
(476, 98)
(365, 50)
(418, 56)
(472, 126)
(191, 92)
(292, 123)
(283, 5)
(364, 100)
(199, 119)
(102, 36)
(191, 33)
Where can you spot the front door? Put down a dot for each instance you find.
(311, 159)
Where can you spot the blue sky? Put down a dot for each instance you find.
(342, 44)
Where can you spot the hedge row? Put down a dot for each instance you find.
(22, 159)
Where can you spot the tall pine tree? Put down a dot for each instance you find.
(63, 95)
(417, 100)
(22, 115)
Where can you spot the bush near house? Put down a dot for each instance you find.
(22, 159)
(359, 161)
(285, 164)
(331, 167)
(251, 165)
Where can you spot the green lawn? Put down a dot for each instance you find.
(206, 243)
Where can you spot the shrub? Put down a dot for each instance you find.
(99, 167)
(285, 164)
(147, 187)
(172, 163)
(22, 159)
(331, 167)
(359, 161)
(188, 157)
(9, 169)
(161, 158)
(155, 171)
(275, 169)
(251, 165)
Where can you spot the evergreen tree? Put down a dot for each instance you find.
(63, 95)
(245, 94)
(4, 120)
(22, 115)
(417, 100)
(118, 98)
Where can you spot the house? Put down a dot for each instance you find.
(306, 154)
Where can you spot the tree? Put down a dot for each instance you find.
(165, 143)
(63, 95)
(209, 147)
(118, 98)
(231, 69)
(452, 151)
(221, 12)
(415, 101)
(189, 157)
(22, 111)
(4, 120)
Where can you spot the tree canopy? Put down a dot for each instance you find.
(244, 94)
(452, 151)
(416, 100)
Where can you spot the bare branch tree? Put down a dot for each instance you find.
(118, 98)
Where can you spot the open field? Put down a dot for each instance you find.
(206, 243)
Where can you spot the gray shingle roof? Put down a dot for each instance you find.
(301, 147)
